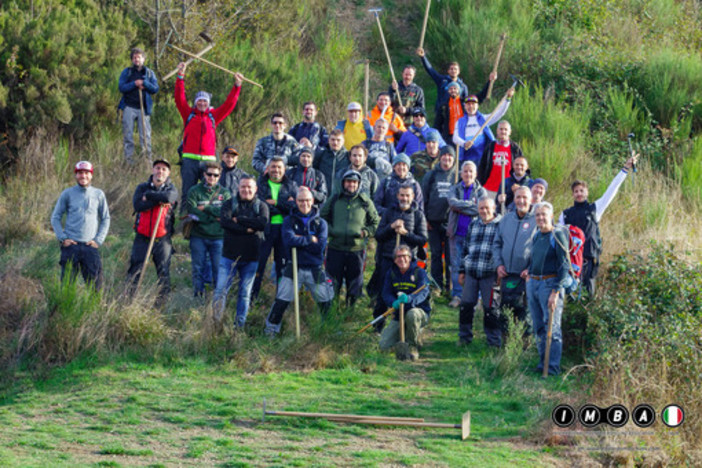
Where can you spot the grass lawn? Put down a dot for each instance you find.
(131, 410)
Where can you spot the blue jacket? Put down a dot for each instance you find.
(296, 233)
(410, 143)
(396, 282)
(442, 82)
(126, 85)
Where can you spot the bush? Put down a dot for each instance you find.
(60, 69)
(648, 347)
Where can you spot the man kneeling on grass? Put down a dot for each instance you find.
(305, 231)
(400, 287)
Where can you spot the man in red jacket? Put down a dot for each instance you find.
(200, 121)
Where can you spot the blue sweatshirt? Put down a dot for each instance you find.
(87, 215)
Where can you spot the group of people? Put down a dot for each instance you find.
(323, 196)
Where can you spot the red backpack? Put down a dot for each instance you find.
(576, 241)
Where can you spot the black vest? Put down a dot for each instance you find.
(584, 216)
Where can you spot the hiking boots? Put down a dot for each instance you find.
(413, 353)
(455, 302)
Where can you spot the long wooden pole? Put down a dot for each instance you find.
(342, 416)
(386, 313)
(142, 141)
(387, 54)
(497, 63)
(150, 248)
(549, 336)
(189, 61)
(219, 67)
(424, 25)
(367, 86)
(296, 295)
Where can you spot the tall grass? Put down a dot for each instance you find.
(669, 82)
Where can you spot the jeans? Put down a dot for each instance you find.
(161, 253)
(84, 258)
(538, 292)
(130, 115)
(456, 245)
(199, 247)
(439, 246)
(227, 272)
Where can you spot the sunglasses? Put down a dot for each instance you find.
(209, 174)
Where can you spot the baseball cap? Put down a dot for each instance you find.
(83, 166)
(354, 106)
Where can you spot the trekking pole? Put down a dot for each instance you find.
(367, 85)
(375, 11)
(424, 25)
(549, 334)
(143, 123)
(151, 246)
(497, 63)
(296, 293)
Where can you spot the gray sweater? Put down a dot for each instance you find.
(512, 245)
(87, 215)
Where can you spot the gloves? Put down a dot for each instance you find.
(404, 298)
(396, 304)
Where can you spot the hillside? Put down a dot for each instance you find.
(100, 379)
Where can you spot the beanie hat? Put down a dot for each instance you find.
(432, 135)
(202, 95)
(401, 158)
(448, 149)
(539, 181)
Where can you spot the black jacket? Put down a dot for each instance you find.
(238, 242)
(166, 193)
(416, 226)
(288, 189)
(436, 188)
(312, 179)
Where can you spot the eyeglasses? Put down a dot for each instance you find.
(209, 174)
(402, 256)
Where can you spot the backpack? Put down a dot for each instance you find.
(187, 121)
(576, 241)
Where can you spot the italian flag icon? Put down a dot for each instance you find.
(673, 415)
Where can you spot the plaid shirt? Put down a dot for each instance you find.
(477, 249)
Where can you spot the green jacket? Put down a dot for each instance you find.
(352, 220)
(211, 198)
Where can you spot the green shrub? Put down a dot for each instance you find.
(60, 69)
(647, 336)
